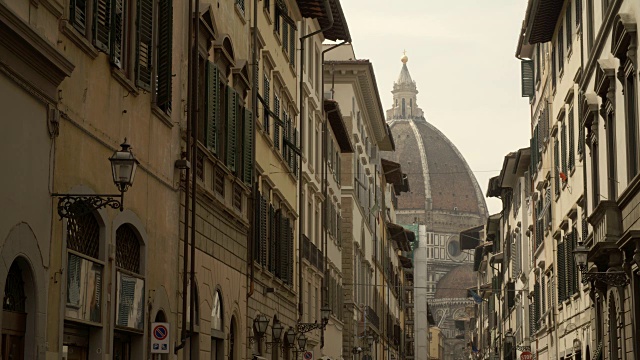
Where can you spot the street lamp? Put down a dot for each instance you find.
(123, 170)
(276, 330)
(290, 336)
(509, 338)
(611, 277)
(260, 324)
(302, 341)
(325, 311)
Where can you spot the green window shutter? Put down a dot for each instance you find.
(284, 249)
(276, 123)
(273, 239)
(553, 67)
(556, 165)
(572, 282)
(292, 46)
(163, 61)
(532, 320)
(118, 14)
(562, 281)
(285, 136)
(537, 302)
(78, 15)
(264, 218)
(248, 147)
(232, 101)
(144, 41)
(212, 107)
(294, 155)
(267, 101)
(285, 36)
(527, 78)
(564, 147)
(572, 141)
(102, 24)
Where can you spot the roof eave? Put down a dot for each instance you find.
(332, 109)
(541, 19)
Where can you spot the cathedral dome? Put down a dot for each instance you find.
(455, 283)
(439, 176)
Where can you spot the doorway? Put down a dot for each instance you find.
(14, 314)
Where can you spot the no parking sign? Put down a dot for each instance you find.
(159, 338)
(308, 355)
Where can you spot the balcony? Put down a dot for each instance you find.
(372, 317)
(607, 229)
(312, 254)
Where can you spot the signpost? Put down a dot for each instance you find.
(160, 338)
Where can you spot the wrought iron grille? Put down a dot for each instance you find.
(83, 235)
(127, 249)
(14, 297)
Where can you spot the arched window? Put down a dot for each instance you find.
(216, 312)
(232, 339)
(84, 282)
(129, 314)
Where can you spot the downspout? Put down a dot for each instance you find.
(325, 137)
(195, 57)
(253, 234)
(185, 249)
(327, 8)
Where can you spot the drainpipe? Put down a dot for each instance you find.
(253, 234)
(327, 8)
(195, 57)
(185, 250)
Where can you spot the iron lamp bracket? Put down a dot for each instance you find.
(73, 206)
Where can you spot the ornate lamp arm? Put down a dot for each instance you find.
(73, 206)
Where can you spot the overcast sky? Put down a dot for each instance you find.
(462, 57)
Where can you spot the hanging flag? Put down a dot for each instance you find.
(476, 297)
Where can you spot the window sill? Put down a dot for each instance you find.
(240, 13)
(572, 170)
(124, 81)
(267, 15)
(276, 34)
(166, 119)
(80, 41)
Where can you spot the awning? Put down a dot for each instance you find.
(405, 261)
(470, 238)
(393, 173)
(402, 236)
(493, 189)
(332, 109)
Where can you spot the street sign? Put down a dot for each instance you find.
(308, 355)
(526, 356)
(159, 338)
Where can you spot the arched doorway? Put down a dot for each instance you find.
(217, 327)
(17, 325)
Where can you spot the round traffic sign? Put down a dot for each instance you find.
(160, 332)
(308, 355)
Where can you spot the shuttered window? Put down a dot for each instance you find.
(102, 24)
(556, 166)
(240, 4)
(144, 40)
(247, 148)
(292, 46)
(578, 13)
(232, 118)
(568, 25)
(267, 100)
(276, 122)
(527, 74)
(564, 146)
(118, 35)
(273, 238)
(561, 50)
(572, 271)
(260, 250)
(212, 107)
(78, 15)
(553, 67)
(164, 50)
(537, 301)
(572, 149)
(562, 278)
(285, 36)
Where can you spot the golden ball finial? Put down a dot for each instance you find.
(404, 57)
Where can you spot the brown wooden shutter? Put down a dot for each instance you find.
(144, 45)
(78, 15)
(164, 56)
(272, 240)
(119, 13)
(102, 24)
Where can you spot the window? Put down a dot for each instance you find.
(563, 145)
(572, 159)
(163, 54)
(561, 50)
(631, 105)
(553, 67)
(568, 26)
(266, 96)
(318, 72)
(240, 5)
(556, 166)
(590, 25)
(578, 13)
